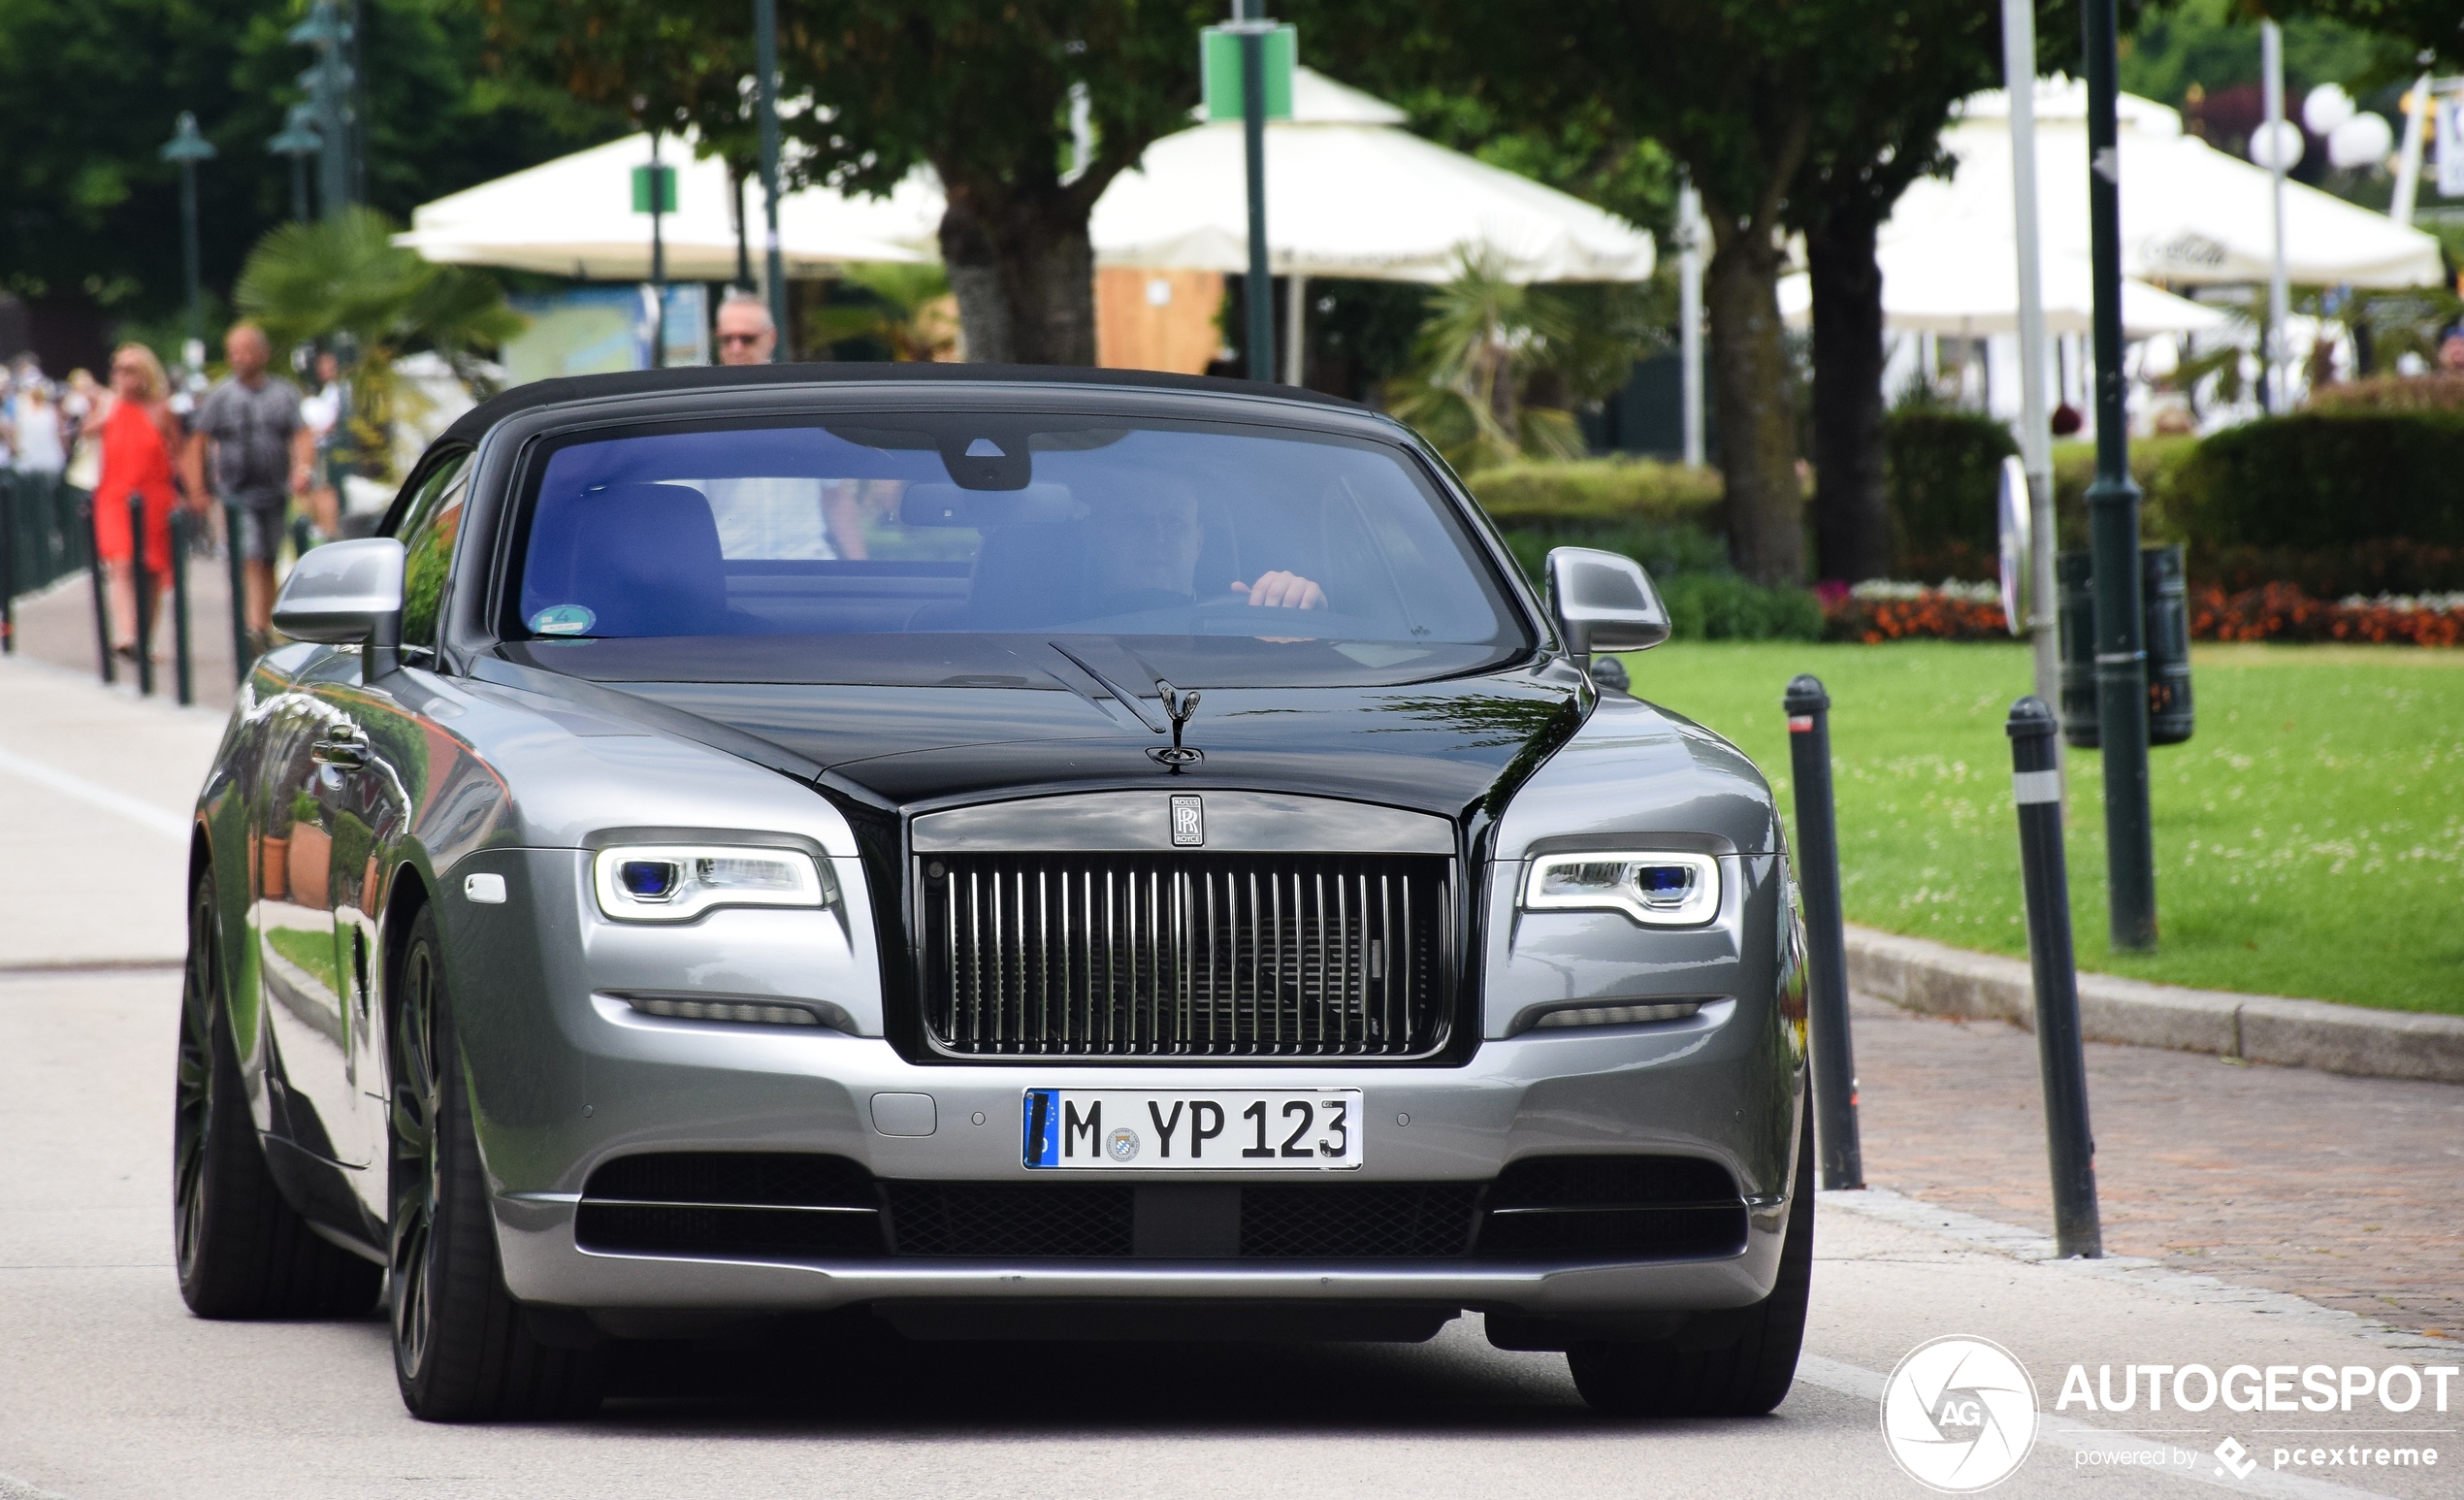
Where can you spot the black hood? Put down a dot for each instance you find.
(1448, 746)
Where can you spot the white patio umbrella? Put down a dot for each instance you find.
(573, 217)
(1349, 193)
(2190, 213)
(1967, 284)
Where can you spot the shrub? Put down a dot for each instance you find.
(1663, 551)
(2325, 479)
(2153, 462)
(2387, 566)
(2391, 393)
(1940, 470)
(1598, 495)
(1723, 607)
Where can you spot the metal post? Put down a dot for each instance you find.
(658, 261)
(2113, 515)
(188, 148)
(1843, 1160)
(242, 658)
(145, 582)
(184, 664)
(2271, 48)
(1690, 316)
(765, 41)
(1295, 327)
(102, 592)
(2035, 436)
(2408, 157)
(1257, 292)
(2036, 786)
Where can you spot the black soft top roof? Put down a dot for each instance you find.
(705, 377)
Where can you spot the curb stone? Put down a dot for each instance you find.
(1936, 979)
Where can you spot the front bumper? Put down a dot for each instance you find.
(565, 1079)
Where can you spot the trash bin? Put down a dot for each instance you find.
(2166, 622)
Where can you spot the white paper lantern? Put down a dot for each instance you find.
(2363, 141)
(2327, 107)
(2278, 144)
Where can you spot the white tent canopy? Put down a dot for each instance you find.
(573, 217)
(1350, 193)
(2190, 213)
(1967, 285)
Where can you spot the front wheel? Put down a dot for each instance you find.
(1744, 1376)
(463, 1350)
(241, 1250)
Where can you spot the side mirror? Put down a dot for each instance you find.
(1603, 602)
(345, 593)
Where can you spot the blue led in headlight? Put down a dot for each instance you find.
(648, 880)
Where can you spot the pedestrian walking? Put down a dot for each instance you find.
(249, 442)
(746, 334)
(139, 437)
(39, 430)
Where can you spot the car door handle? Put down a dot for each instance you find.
(339, 749)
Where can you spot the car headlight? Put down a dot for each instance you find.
(679, 882)
(1656, 889)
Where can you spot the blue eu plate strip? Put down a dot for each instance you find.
(1042, 1128)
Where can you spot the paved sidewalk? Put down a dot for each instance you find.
(56, 624)
(95, 790)
(2340, 1190)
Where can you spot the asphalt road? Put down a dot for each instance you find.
(109, 1388)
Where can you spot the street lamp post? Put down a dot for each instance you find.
(297, 140)
(2113, 528)
(328, 82)
(188, 148)
(1259, 295)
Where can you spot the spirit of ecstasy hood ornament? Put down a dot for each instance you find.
(1180, 707)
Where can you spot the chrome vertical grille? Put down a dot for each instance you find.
(1192, 956)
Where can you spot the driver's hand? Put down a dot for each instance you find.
(1285, 590)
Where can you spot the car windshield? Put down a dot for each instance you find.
(866, 548)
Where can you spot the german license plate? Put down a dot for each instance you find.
(1215, 1129)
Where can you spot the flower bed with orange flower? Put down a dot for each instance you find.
(1877, 611)
(2282, 611)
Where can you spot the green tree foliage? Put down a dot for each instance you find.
(88, 91)
(900, 308)
(979, 90)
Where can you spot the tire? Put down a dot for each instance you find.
(1744, 1376)
(463, 1350)
(241, 1250)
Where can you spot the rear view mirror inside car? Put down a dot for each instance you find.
(947, 505)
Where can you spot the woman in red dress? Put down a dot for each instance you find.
(139, 434)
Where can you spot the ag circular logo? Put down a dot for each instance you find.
(1959, 1414)
(1122, 1144)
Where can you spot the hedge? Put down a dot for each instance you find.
(1598, 495)
(1940, 467)
(2326, 479)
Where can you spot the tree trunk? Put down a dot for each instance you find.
(1023, 272)
(1852, 538)
(1757, 426)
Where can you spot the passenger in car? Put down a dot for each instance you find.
(1144, 550)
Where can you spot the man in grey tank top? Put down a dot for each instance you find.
(248, 434)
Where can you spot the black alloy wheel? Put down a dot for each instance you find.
(1719, 1364)
(241, 1250)
(463, 1350)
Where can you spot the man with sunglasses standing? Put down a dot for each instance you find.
(746, 334)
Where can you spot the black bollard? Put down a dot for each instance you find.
(184, 673)
(1843, 1160)
(241, 659)
(8, 565)
(2036, 786)
(102, 593)
(145, 582)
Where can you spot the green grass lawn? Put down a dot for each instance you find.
(2310, 836)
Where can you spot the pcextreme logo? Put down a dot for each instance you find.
(1959, 1414)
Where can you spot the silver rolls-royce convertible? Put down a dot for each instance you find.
(998, 853)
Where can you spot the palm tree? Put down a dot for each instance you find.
(342, 282)
(909, 309)
(1500, 364)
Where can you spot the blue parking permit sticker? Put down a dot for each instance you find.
(1042, 1128)
(564, 620)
